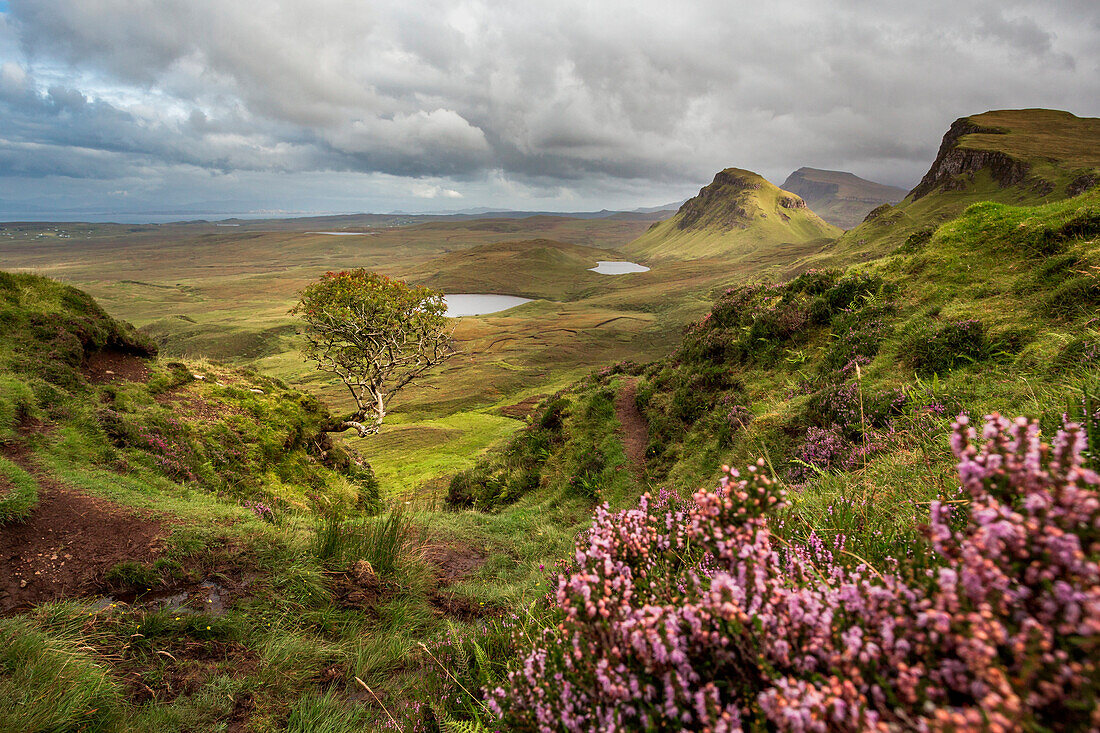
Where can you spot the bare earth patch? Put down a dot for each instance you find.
(453, 562)
(104, 367)
(68, 543)
(634, 431)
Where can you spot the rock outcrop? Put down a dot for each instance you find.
(954, 161)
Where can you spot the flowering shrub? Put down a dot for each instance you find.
(261, 510)
(698, 616)
(171, 455)
(951, 345)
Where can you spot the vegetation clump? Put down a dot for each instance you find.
(700, 614)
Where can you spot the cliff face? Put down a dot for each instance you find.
(1022, 157)
(954, 161)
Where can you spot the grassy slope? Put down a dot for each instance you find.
(737, 217)
(224, 293)
(87, 665)
(1057, 146)
(995, 312)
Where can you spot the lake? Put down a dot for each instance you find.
(342, 234)
(618, 268)
(475, 304)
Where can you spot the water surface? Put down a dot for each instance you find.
(341, 234)
(606, 267)
(478, 304)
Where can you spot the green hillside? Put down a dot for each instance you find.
(740, 216)
(842, 199)
(1020, 157)
(537, 268)
(845, 384)
(846, 380)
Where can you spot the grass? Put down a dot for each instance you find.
(49, 683)
(409, 457)
(18, 492)
(383, 542)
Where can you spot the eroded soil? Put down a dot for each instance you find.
(69, 541)
(104, 367)
(634, 431)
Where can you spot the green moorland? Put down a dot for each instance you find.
(1021, 157)
(223, 293)
(737, 217)
(272, 596)
(845, 380)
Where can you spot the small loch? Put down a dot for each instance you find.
(479, 304)
(605, 267)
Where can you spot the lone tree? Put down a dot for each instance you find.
(375, 334)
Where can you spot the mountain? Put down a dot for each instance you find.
(740, 214)
(1023, 157)
(840, 198)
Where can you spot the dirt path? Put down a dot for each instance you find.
(634, 431)
(68, 542)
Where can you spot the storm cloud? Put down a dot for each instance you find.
(540, 104)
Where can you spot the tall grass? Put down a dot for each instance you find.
(48, 684)
(326, 713)
(382, 541)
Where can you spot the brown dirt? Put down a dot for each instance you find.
(461, 607)
(522, 409)
(453, 561)
(358, 588)
(68, 542)
(108, 366)
(634, 431)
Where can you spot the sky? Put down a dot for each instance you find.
(294, 107)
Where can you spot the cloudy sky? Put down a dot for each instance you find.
(373, 105)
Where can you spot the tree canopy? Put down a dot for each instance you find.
(376, 334)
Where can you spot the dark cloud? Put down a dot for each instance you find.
(569, 100)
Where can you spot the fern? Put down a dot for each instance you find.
(464, 726)
(481, 658)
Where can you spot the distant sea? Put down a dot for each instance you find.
(130, 218)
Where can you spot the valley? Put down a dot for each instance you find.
(702, 468)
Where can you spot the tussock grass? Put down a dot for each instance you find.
(49, 683)
(385, 542)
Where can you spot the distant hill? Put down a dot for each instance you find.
(840, 198)
(739, 214)
(1023, 157)
(535, 268)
